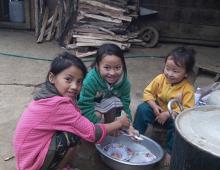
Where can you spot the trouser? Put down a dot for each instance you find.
(59, 146)
(145, 115)
(110, 107)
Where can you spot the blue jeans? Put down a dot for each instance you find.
(145, 115)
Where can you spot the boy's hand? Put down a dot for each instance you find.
(157, 110)
(123, 119)
(162, 117)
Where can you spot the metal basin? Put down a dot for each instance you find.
(136, 147)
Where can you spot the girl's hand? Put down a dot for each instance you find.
(100, 117)
(123, 119)
(132, 131)
(98, 114)
(162, 117)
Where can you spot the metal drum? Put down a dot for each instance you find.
(197, 139)
(214, 98)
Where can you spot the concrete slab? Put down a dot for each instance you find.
(19, 75)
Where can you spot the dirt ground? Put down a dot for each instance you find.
(23, 64)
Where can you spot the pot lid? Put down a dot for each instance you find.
(201, 127)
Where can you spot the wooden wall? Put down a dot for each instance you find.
(193, 21)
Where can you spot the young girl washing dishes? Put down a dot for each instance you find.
(105, 92)
(172, 83)
(52, 124)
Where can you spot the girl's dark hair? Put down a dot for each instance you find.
(64, 61)
(109, 49)
(184, 57)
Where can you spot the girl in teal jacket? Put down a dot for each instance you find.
(106, 89)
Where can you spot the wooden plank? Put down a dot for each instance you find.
(101, 37)
(89, 53)
(93, 29)
(95, 43)
(86, 30)
(104, 24)
(111, 13)
(27, 14)
(83, 6)
(117, 3)
(102, 18)
(68, 38)
(60, 20)
(106, 31)
(101, 5)
(36, 12)
(44, 24)
(54, 19)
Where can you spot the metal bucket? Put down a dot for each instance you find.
(197, 139)
(16, 11)
(123, 165)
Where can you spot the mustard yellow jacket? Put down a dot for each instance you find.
(161, 91)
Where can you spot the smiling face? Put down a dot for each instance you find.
(174, 73)
(68, 82)
(111, 68)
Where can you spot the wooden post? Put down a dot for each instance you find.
(36, 17)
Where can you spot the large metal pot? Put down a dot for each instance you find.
(197, 139)
(136, 146)
(214, 98)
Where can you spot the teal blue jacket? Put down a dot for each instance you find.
(95, 88)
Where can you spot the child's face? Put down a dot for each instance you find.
(173, 72)
(68, 82)
(111, 68)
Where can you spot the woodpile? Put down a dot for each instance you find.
(52, 23)
(87, 23)
(101, 22)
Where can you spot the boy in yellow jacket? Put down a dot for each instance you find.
(172, 83)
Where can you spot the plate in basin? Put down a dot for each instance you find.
(118, 151)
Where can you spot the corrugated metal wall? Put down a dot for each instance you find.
(196, 21)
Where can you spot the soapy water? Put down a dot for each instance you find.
(124, 153)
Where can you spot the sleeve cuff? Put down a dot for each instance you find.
(104, 133)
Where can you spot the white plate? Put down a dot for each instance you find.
(118, 151)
